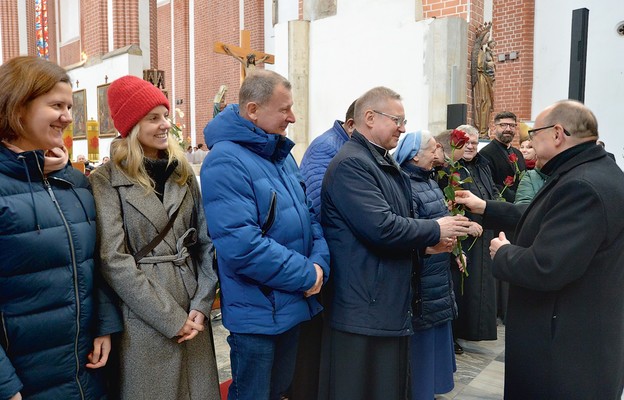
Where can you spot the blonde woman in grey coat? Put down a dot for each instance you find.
(166, 288)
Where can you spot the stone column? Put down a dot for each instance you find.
(445, 67)
(298, 70)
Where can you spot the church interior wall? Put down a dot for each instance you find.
(604, 83)
(366, 44)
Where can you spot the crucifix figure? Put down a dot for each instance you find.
(244, 54)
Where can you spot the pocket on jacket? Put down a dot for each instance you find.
(270, 217)
(377, 283)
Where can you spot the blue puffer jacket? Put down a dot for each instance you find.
(50, 305)
(266, 239)
(435, 293)
(317, 158)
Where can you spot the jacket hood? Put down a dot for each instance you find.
(229, 126)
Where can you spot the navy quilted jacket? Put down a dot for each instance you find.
(317, 158)
(435, 293)
(265, 236)
(50, 309)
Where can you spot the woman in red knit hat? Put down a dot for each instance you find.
(155, 251)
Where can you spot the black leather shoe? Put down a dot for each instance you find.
(458, 348)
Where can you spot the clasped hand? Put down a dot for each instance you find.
(193, 325)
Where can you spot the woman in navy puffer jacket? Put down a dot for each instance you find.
(432, 358)
(55, 322)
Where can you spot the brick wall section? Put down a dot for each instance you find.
(163, 40)
(125, 23)
(70, 53)
(445, 8)
(513, 26)
(94, 27)
(153, 34)
(181, 59)
(10, 41)
(215, 22)
(52, 26)
(30, 28)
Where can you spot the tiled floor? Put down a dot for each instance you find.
(479, 370)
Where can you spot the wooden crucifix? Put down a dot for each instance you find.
(244, 54)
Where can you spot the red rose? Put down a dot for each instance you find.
(509, 180)
(513, 158)
(458, 139)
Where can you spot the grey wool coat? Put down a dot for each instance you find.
(157, 293)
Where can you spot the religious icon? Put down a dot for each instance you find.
(107, 129)
(79, 114)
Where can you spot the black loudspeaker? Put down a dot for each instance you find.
(456, 115)
(578, 54)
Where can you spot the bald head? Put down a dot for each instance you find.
(574, 116)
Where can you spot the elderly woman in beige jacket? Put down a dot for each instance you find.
(155, 252)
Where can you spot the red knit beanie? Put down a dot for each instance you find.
(130, 99)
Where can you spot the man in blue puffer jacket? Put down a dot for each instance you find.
(320, 153)
(271, 253)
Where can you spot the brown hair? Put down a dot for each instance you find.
(22, 80)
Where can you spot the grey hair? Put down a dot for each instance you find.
(259, 85)
(468, 129)
(372, 99)
(425, 138)
(575, 117)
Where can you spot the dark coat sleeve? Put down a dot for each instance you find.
(10, 384)
(563, 246)
(368, 214)
(108, 313)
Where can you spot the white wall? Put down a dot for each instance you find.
(604, 82)
(367, 43)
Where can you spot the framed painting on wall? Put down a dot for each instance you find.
(79, 114)
(107, 129)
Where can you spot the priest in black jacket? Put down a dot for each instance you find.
(498, 153)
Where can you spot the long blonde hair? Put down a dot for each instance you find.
(127, 154)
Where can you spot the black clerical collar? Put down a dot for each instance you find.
(384, 153)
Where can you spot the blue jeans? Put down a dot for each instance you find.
(262, 365)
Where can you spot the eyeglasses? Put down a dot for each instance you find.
(399, 121)
(506, 125)
(531, 132)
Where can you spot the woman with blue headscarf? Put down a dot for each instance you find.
(432, 358)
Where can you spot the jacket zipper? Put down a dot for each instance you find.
(75, 275)
(6, 335)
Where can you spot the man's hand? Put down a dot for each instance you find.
(457, 225)
(55, 159)
(472, 202)
(17, 396)
(476, 230)
(317, 285)
(101, 349)
(497, 243)
(445, 245)
(191, 328)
